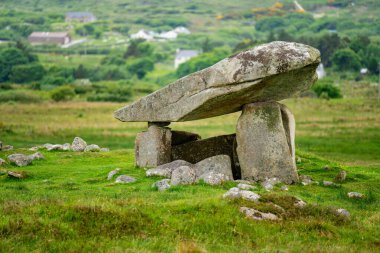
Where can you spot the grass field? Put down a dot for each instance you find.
(67, 205)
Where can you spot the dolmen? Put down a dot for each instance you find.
(252, 82)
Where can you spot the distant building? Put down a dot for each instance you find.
(181, 29)
(83, 17)
(171, 35)
(321, 73)
(59, 38)
(183, 56)
(364, 71)
(142, 34)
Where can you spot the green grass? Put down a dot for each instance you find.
(67, 205)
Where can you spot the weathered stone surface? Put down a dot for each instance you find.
(289, 123)
(165, 170)
(7, 148)
(153, 147)
(2, 162)
(242, 186)
(328, 183)
(183, 175)
(181, 137)
(20, 159)
(250, 196)
(299, 203)
(78, 144)
(123, 179)
(218, 164)
(54, 147)
(262, 144)
(162, 185)
(92, 148)
(197, 151)
(233, 193)
(341, 177)
(257, 215)
(355, 195)
(213, 178)
(269, 183)
(19, 175)
(268, 72)
(37, 156)
(284, 188)
(113, 173)
(104, 150)
(306, 180)
(343, 212)
(66, 147)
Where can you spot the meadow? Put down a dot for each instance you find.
(67, 205)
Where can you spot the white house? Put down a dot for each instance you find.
(142, 34)
(171, 35)
(183, 56)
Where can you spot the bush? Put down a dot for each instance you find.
(26, 73)
(326, 89)
(63, 93)
(19, 96)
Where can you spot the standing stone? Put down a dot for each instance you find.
(78, 145)
(153, 147)
(289, 123)
(262, 143)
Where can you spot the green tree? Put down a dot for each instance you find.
(10, 57)
(26, 73)
(63, 93)
(346, 59)
(141, 67)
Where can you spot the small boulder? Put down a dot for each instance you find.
(250, 196)
(257, 215)
(34, 148)
(166, 170)
(66, 147)
(242, 186)
(328, 183)
(299, 203)
(104, 150)
(2, 162)
(233, 193)
(217, 164)
(7, 148)
(269, 183)
(78, 145)
(92, 148)
(123, 179)
(306, 180)
(54, 147)
(213, 178)
(343, 212)
(284, 188)
(19, 175)
(162, 185)
(355, 195)
(183, 175)
(341, 177)
(20, 159)
(112, 173)
(37, 156)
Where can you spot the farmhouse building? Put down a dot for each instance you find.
(82, 17)
(59, 38)
(183, 56)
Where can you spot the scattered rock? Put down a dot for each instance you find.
(341, 177)
(242, 186)
(213, 178)
(343, 212)
(123, 179)
(66, 147)
(54, 147)
(268, 184)
(20, 159)
(183, 175)
(233, 193)
(19, 175)
(92, 148)
(34, 148)
(250, 196)
(7, 148)
(257, 215)
(104, 150)
(166, 170)
(2, 162)
(277, 207)
(162, 185)
(112, 173)
(37, 156)
(284, 188)
(306, 180)
(328, 183)
(299, 203)
(78, 145)
(355, 195)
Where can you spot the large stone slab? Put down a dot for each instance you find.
(265, 143)
(269, 72)
(153, 147)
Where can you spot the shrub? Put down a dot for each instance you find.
(19, 96)
(326, 89)
(26, 73)
(63, 93)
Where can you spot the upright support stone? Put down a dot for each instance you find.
(153, 147)
(265, 142)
